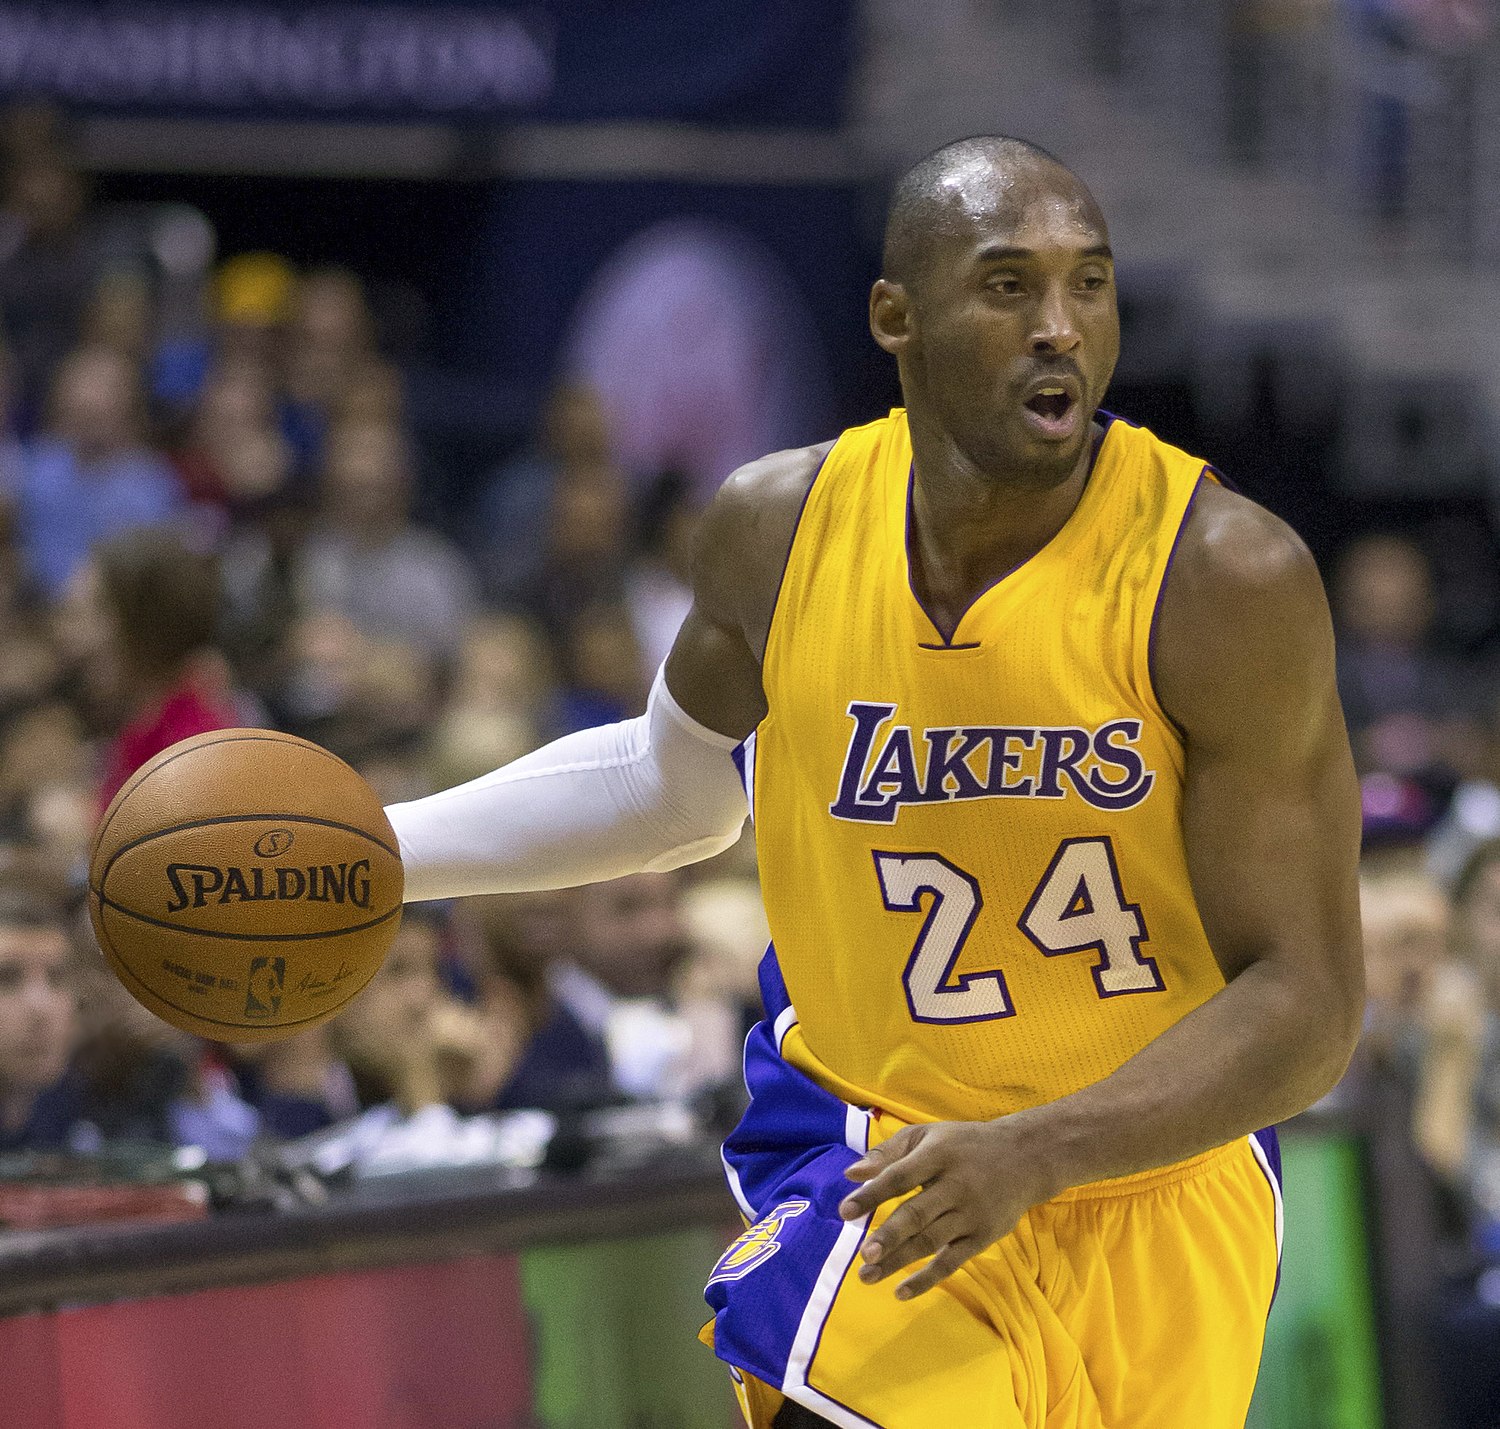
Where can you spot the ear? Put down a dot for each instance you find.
(890, 315)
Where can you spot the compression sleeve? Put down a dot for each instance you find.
(648, 794)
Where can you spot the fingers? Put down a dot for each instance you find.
(908, 1221)
(905, 1173)
(892, 1149)
(888, 1255)
(940, 1267)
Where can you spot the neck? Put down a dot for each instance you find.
(970, 527)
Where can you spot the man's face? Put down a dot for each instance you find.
(633, 936)
(95, 404)
(37, 1008)
(1014, 327)
(366, 483)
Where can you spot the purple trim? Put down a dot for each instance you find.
(1223, 480)
(1187, 512)
(946, 636)
(945, 982)
(1098, 945)
(812, 1357)
(1270, 1145)
(964, 645)
(796, 527)
(911, 483)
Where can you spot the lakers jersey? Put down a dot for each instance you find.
(971, 848)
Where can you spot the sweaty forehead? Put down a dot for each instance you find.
(1029, 199)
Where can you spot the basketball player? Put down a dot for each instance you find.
(1058, 831)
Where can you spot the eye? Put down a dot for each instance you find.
(1006, 283)
(1093, 282)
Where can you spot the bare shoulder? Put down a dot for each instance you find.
(1232, 546)
(1243, 613)
(747, 535)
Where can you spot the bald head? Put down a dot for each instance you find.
(963, 183)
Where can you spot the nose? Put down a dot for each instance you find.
(1056, 327)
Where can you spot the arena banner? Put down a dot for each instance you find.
(598, 1334)
(782, 62)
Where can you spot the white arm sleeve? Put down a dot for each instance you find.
(646, 795)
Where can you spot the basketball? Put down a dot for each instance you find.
(245, 884)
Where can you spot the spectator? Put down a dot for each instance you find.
(1403, 701)
(1406, 920)
(359, 695)
(81, 1064)
(1459, 1109)
(506, 533)
(584, 552)
(500, 701)
(162, 598)
(556, 1063)
(606, 679)
(48, 264)
(253, 298)
(1473, 813)
(233, 456)
(366, 561)
(120, 315)
(623, 985)
(47, 786)
(91, 476)
(405, 1039)
(329, 353)
(38, 1020)
(297, 1085)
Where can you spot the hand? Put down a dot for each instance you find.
(977, 1181)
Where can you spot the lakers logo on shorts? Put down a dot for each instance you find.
(757, 1245)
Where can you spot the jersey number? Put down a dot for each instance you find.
(1077, 907)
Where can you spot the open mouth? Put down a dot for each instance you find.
(1053, 411)
(1051, 404)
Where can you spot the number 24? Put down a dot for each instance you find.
(1078, 906)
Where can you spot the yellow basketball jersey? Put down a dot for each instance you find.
(971, 850)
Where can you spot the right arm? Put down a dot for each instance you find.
(648, 794)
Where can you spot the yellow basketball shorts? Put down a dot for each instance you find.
(1131, 1304)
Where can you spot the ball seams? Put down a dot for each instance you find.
(244, 937)
(266, 818)
(268, 736)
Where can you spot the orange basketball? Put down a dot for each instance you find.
(245, 884)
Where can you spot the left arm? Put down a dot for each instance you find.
(1244, 665)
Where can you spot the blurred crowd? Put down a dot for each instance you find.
(208, 481)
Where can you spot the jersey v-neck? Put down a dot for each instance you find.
(1021, 576)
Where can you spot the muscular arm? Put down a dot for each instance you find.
(1271, 826)
(714, 666)
(650, 793)
(1244, 665)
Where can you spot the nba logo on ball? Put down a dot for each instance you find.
(245, 884)
(263, 987)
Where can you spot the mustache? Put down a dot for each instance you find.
(1053, 367)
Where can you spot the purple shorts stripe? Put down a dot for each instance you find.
(1267, 1148)
(772, 1291)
